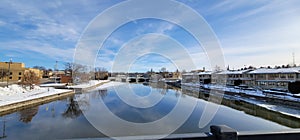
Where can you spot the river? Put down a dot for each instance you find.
(83, 115)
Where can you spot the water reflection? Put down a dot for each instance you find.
(248, 108)
(64, 119)
(73, 110)
(27, 114)
(227, 116)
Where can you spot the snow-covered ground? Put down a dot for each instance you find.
(15, 93)
(89, 84)
(52, 85)
(110, 84)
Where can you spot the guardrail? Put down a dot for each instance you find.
(223, 132)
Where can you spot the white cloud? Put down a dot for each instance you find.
(42, 49)
(2, 23)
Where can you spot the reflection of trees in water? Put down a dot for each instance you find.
(102, 93)
(27, 114)
(99, 94)
(73, 110)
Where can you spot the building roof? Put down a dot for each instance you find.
(189, 73)
(234, 71)
(205, 73)
(281, 70)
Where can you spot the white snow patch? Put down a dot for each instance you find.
(16, 93)
(52, 85)
(110, 84)
(89, 84)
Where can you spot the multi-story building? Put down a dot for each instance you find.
(190, 78)
(263, 78)
(205, 77)
(237, 77)
(275, 78)
(15, 71)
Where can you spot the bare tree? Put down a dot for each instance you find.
(30, 78)
(3, 73)
(101, 73)
(217, 68)
(39, 67)
(78, 72)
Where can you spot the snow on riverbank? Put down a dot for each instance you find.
(89, 84)
(110, 84)
(16, 93)
(284, 109)
(287, 110)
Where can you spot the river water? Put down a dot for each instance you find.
(84, 114)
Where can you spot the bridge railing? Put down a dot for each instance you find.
(223, 132)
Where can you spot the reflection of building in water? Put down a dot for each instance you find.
(27, 115)
(160, 85)
(248, 108)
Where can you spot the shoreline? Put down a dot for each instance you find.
(7, 107)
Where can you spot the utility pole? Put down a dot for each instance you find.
(55, 70)
(7, 80)
(294, 59)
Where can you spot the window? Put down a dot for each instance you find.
(291, 76)
(10, 73)
(20, 73)
(19, 78)
(10, 77)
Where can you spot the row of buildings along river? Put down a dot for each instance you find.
(278, 79)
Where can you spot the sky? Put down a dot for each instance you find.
(250, 32)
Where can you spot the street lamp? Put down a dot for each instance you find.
(10, 61)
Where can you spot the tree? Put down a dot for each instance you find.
(217, 68)
(39, 67)
(30, 78)
(3, 73)
(78, 72)
(163, 69)
(101, 73)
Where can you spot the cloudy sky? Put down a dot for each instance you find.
(250, 32)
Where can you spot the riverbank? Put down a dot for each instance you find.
(16, 97)
(287, 108)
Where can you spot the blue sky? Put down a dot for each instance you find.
(251, 32)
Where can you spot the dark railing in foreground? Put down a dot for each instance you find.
(223, 132)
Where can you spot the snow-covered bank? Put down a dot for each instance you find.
(16, 93)
(287, 110)
(89, 84)
(110, 84)
(277, 107)
(247, 91)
